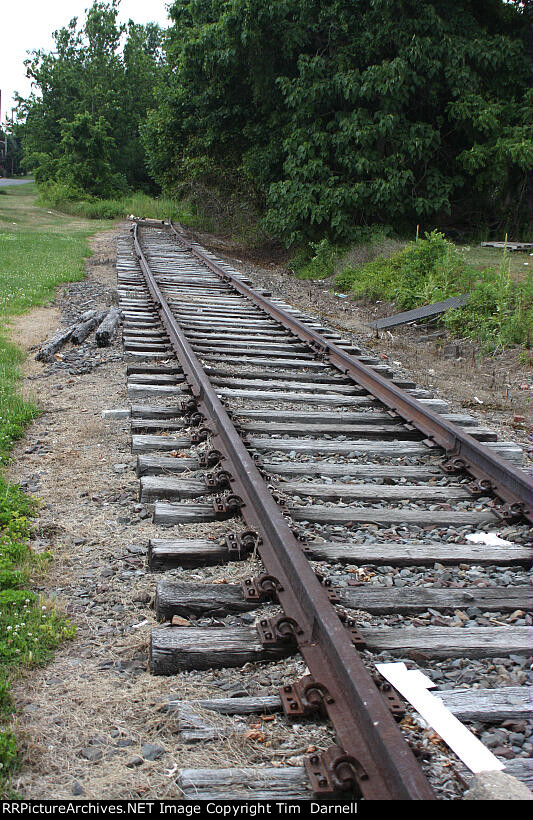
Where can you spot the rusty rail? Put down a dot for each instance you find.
(372, 758)
(491, 472)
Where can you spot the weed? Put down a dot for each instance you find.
(319, 260)
(60, 196)
(315, 261)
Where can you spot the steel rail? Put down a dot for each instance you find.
(381, 764)
(492, 472)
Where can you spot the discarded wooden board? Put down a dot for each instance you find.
(423, 312)
(510, 246)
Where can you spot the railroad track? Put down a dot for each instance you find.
(350, 494)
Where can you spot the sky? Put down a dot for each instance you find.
(29, 25)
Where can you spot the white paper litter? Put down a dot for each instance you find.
(488, 538)
(138, 626)
(413, 685)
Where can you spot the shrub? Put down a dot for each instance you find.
(315, 261)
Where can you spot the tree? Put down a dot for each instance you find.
(88, 156)
(89, 85)
(338, 113)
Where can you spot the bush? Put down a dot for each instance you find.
(315, 261)
(318, 260)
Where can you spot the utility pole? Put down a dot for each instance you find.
(12, 141)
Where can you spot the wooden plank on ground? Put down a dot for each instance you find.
(372, 430)
(511, 246)
(506, 449)
(377, 599)
(150, 391)
(168, 515)
(488, 705)
(154, 411)
(386, 517)
(154, 488)
(159, 465)
(183, 552)
(149, 426)
(156, 378)
(177, 598)
(522, 769)
(355, 447)
(421, 313)
(363, 431)
(391, 553)
(468, 705)
(148, 444)
(352, 469)
(230, 706)
(374, 492)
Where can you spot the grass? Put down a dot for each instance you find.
(320, 260)
(518, 263)
(39, 250)
(234, 216)
(58, 196)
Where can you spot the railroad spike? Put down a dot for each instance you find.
(453, 464)
(481, 487)
(261, 588)
(227, 505)
(219, 480)
(509, 512)
(279, 631)
(305, 697)
(210, 458)
(239, 546)
(189, 407)
(334, 772)
(201, 435)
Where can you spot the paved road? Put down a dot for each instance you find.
(5, 182)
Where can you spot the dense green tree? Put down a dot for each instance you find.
(89, 85)
(337, 113)
(87, 158)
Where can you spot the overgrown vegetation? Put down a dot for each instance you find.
(91, 94)
(499, 311)
(332, 114)
(57, 195)
(314, 118)
(319, 260)
(39, 250)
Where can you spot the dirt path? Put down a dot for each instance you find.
(87, 714)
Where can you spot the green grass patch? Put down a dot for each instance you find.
(518, 264)
(39, 250)
(500, 310)
(59, 196)
(320, 260)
